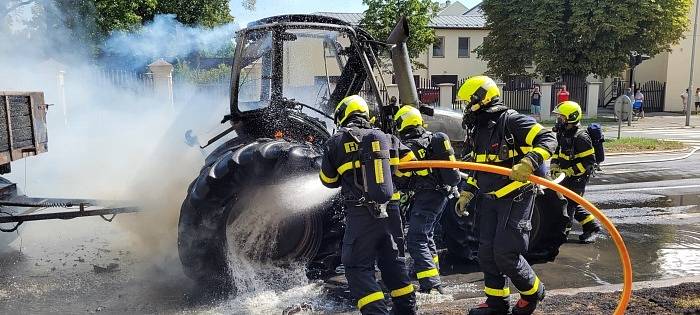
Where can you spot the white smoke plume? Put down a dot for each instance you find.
(164, 36)
(110, 136)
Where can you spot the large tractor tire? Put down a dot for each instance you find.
(220, 197)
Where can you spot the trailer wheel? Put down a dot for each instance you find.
(214, 203)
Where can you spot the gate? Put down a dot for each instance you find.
(516, 93)
(577, 87)
(654, 96)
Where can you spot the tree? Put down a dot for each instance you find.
(207, 13)
(381, 17)
(578, 37)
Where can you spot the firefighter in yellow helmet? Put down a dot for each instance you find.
(503, 137)
(575, 157)
(431, 188)
(359, 159)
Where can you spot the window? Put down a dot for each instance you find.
(439, 47)
(328, 50)
(463, 47)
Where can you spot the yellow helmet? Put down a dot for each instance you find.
(479, 91)
(570, 110)
(407, 116)
(349, 106)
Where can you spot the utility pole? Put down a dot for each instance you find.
(691, 92)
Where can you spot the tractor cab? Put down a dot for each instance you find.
(290, 71)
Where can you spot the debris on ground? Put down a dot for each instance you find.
(109, 268)
(302, 308)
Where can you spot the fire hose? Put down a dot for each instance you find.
(614, 233)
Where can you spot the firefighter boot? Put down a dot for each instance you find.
(590, 232)
(434, 290)
(491, 307)
(526, 306)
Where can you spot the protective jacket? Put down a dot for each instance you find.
(428, 146)
(503, 137)
(575, 154)
(340, 161)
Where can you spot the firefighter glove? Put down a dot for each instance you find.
(461, 206)
(554, 169)
(522, 170)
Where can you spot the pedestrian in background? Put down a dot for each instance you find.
(638, 104)
(684, 98)
(535, 98)
(562, 95)
(697, 101)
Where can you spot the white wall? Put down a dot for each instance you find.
(451, 64)
(679, 68)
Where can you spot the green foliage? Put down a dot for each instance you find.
(198, 76)
(578, 37)
(207, 13)
(381, 17)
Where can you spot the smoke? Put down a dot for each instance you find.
(164, 36)
(110, 136)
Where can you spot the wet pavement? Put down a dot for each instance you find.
(88, 265)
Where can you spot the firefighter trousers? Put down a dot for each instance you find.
(425, 212)
(367, 242)
(504, 231)
(578, 184)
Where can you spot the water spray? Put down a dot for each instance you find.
(614, 233)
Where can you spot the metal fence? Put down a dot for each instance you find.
(577, 88)
(517, 92)
(125, 79)
(654, 95)
(428, 92)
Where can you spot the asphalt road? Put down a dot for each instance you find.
(88, 265)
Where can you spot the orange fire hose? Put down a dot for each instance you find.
(619, 243)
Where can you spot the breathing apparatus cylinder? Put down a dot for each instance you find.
(442, 150)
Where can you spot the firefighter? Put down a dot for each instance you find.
(503, 137)
(575, 157)
(366, 187)
(431, 189)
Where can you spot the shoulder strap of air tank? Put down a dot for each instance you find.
(506, 133)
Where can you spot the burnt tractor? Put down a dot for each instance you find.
(288, 74)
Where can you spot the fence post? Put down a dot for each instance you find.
(593, 96)
(501, 85)
(546, 99)
(392, 90)
(163, 80)
(446, 94)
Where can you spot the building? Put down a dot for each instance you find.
(459, 31)
(672, 68)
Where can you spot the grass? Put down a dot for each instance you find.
(636, 144)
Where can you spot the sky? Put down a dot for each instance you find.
(265, 8)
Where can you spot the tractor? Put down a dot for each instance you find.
(288, 74)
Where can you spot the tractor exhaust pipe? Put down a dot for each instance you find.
(402, 63)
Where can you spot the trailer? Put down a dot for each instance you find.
(23, 133)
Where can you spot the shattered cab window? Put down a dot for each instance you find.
(255, 79)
